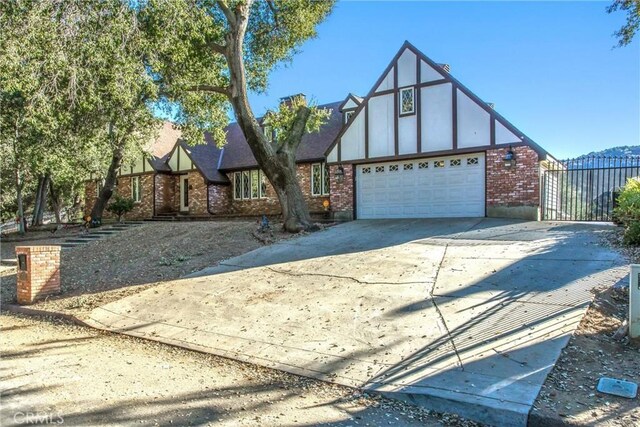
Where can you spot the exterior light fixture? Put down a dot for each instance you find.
(340, 174)
(510, 158)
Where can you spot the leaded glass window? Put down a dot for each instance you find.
(136, 190)
(406, 101)
(423, 165)
(319, 179)
(472, 161)
(393, 168)
(455, 162)
(255, 184)
(379, 168)
(366, 170)
(326, 184)
(408, 166)
(246, 182)
(237, 185)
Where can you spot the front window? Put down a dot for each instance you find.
(249, 185)
(319, 179)
(136, 189)
(407, 105)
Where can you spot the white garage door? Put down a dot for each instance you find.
(426, 188)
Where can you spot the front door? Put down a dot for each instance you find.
(184, 193)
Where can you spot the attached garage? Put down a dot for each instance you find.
(452, 186)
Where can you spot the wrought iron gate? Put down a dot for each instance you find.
(586, 188)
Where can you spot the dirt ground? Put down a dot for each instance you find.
(569, 395)
(84, 377)
(136, 259)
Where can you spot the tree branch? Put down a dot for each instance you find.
(294, 138)
(231, 18)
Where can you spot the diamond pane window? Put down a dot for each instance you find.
(246, 184)
(379, 168)
(316, 179)
(255, 187)
(455, 162)
(326, 185)
(366, 170)
(406, 101)
(438, 164)
(408, 166)
(423, 165)
(237, 185)
(136, 191)
(472, 161)
(347, 116)
(393, 168)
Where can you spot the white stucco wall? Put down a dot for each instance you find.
(437, 118)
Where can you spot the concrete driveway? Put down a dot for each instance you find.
(464, 315)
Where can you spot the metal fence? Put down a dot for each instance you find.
(586, 188)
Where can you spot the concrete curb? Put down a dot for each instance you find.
(34, 312)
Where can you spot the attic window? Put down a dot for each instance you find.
(268, 132)
(407, 104)
(347, 115)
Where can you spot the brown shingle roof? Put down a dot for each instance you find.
(238, 155)
(161, 147)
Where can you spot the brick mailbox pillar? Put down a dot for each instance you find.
(38, 272)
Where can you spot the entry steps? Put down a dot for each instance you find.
(98, 233)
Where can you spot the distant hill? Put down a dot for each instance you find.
(622, 151)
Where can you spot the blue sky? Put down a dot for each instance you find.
(549, 67)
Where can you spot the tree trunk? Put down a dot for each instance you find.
(55, 202)
(21, 220)
(109, 182)
(278, 164)
(41, 200)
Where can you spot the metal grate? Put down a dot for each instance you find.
(586, 188)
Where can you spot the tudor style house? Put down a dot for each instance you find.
(419, 145)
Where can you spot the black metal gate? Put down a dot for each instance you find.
(585, 189)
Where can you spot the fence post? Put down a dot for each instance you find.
(634, 301)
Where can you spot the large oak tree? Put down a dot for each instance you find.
(211, 54)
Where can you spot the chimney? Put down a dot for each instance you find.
(287, 100)
(446, 67)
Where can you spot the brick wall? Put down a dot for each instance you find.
(219, 198)
(271, 205)
(166, 188)
(513, 192)
(141, 210)
(197, 194)
(42, 274)
(342, 193)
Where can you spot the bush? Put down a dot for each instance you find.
(120, 206)
(627, 211)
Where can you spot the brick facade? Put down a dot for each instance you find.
(141, 210)
(166, 193)
(270, 204)
(513, 192)
(342, 193)
(41, 277)
(197, 194)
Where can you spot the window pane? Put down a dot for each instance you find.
(316, 179)
(246, 181)
(255, 184)
(326, 183)
(263, 185)
(237, 186)
(406, 101)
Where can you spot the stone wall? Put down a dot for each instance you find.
(513, 192)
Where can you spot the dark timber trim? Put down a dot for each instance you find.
(454, 117)
(366, 129)
(418, 100)
(396, 109)
(492, 131)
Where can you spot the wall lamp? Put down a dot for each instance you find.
(340, 174)
(510, 158)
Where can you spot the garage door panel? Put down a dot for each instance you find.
(438, 187)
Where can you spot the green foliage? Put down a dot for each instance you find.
(284, 118)
(628, 211)
(191, 65)
(628, 31)
(121, 206)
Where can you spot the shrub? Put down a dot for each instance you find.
(628, 211)
(120, 206)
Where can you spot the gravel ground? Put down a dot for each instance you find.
(85, 377)
(569, 395)
(136, 259)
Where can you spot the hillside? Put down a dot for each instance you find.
(622, 151)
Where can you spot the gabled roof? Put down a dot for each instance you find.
(355, 100)
(206, 158)
(441, 71)
(237, 153)
(160, 148)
